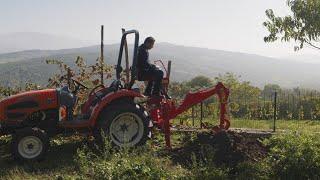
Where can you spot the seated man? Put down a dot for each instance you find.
(149, 71)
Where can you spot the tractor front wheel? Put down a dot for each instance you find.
(30, 144)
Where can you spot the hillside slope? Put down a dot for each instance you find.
(187, 62)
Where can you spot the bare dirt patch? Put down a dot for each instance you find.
(227, 148)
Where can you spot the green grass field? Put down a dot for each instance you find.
(300, 125)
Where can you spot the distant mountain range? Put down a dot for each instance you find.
(29, 66)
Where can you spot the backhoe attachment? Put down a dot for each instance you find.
(163, 110)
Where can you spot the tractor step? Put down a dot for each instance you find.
(75, 123)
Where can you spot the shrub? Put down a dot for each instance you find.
(294, 156)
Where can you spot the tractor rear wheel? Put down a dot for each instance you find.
(125, 124)
(30, 144)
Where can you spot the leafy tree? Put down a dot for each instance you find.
(200, 82)
(178, 90)
(88, 74)
(269, 89)
(302, 26)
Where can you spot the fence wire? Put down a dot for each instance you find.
(277, 110)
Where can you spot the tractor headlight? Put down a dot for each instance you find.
(62, 113)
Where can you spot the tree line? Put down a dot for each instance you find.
(249, 102)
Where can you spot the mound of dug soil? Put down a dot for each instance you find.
(225, 148)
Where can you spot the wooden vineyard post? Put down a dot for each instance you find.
(169, 69)
(299, 104)
(192, 115)
(201, 114)
(101, 57)
(275, 112)
(69, 77)
(264, 106)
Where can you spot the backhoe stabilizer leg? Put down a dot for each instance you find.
(167, 133)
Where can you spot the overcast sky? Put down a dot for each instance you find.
(233, 25)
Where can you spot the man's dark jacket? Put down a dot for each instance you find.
(143, 63)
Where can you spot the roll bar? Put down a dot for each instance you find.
(135, 53)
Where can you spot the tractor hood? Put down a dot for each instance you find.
(19, 106)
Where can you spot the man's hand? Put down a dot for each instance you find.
(153, 67)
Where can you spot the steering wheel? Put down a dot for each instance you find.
(93, 91)
(78, 85)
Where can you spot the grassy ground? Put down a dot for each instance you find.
(301, 125)
(59, 162)
(62, 162)
(67, 159)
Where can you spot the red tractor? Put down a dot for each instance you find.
(124, 114)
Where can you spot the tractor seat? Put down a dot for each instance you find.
(143, 78)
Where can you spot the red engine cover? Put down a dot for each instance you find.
(20, 106)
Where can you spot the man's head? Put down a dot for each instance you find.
(149, 42)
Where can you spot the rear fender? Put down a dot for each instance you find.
(107, 100)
